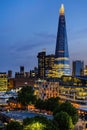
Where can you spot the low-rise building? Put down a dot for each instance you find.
(46, 89)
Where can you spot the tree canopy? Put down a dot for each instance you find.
(40, 104)
(39, 123)
(68, 107)
(26, 95)
(51, 103)
(14, 125)
(64, 121)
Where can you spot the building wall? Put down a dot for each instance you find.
(49, 63)
(11, 83)
(21, 82)
(85, 70)
(45, 89)
(3, 81)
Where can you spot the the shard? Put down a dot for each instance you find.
(62, 63)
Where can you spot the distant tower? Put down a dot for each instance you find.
(9, 73)
(78, 68)
(85, 70)
(21, 69)
(61, 63)
(45, 63)
(41, 64)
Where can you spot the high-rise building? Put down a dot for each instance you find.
(21, 69)
(62, 63)
(9, 73)
(77, 68)
(3, 81)
(45, 63)
(85, 70)
(49, 63)
(34, 73)
(41, 64)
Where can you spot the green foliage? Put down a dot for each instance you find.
(40, 104)
(35, 126)
(51, 103)
(64, 121)
(68, 107)
(14, 125)
(39, 123)
(26, 95)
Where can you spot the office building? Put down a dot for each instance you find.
(34, 73)
(85, 70)
(41, 64)
(49, 63)
(11, 84)
(3, 81)
(21, 69)
(45, 63)
(77, 68)
(9, 73)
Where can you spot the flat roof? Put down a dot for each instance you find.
(20, 115)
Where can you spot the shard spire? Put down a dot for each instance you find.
(62, 9)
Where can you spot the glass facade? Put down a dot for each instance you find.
(78, 67)
(61, 63)
(45, 64)
(41, 64)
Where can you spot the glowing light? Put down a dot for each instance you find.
(35, 126)
(62, 9)
(62, 58)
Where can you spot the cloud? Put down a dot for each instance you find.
(39, 40)
(45, 35)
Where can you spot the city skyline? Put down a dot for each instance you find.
(26, 27)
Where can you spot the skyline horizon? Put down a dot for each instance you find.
(20, 47)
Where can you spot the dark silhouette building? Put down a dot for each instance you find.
(9, 73)
(21, 69)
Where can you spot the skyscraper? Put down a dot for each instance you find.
(61, 63)
(21, 69)
(78, 68)
(41, 64)
(45, 63)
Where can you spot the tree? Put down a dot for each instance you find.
(39, 104)
(51, 103)
(39, 123)
(64, 121)
(26, 95)
(14, 125)
(68, 107)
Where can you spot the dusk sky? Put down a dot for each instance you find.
(28, 26)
